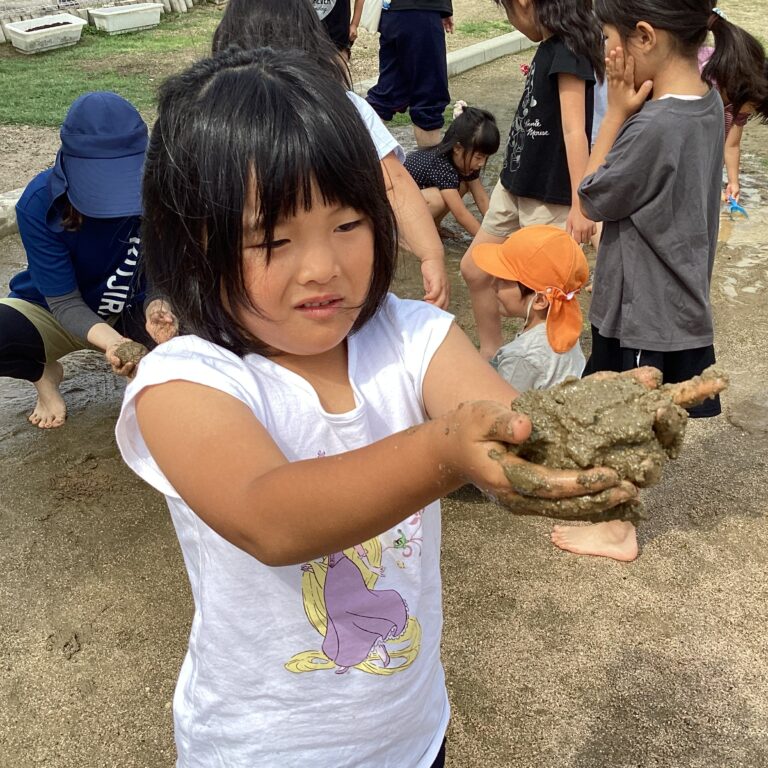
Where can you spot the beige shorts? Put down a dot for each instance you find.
(507, 213)
(57, 341)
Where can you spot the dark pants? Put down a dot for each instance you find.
(440, 759)
(22, 350)
(413, 73)
(609, 355)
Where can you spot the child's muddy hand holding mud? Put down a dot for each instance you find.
(623, 421)
(483, 439)
(124, 356)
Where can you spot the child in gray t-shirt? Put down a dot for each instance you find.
(654, 179)
(538, 271)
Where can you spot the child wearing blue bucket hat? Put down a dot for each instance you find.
(79, 222)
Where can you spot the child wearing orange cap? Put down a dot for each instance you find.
(538, 271)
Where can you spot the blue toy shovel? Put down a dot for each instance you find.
(735, 208)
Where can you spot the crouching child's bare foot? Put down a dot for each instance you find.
(616, 539)
(50, 410)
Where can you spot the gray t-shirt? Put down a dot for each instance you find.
(529, 362)
(658, 193)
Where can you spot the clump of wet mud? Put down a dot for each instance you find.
(131, 352)
(615, 422)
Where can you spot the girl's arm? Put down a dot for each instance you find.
(460, 212)
(223, 463)
(479, 195)
(357, 12)
(573, 117)
(732, 156)
(417, 230)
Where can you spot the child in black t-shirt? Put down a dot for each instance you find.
(450, 170)
(548, 145)
(340, 21)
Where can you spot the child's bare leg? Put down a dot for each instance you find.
(426, 139)
(485, 307)
(50, 410)
(616, 539)
(435, 203)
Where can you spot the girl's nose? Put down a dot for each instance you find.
(319, 263)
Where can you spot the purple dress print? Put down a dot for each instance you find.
(359, 619)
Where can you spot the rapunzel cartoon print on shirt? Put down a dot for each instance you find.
(362, 627)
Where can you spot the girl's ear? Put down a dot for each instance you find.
(645, 36)
(540, 301)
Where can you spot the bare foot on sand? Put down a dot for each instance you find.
(616, 539)
(50, 411)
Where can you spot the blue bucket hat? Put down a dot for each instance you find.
(99, 165)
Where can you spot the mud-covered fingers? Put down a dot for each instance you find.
(488, 420)
(668, 425)
(698, 389)
(618, 503)
(544, 482)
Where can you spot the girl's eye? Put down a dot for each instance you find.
(349, 226)
(273, 246)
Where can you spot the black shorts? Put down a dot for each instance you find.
(609, 355)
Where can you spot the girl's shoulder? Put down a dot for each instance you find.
(554, 57)
(407, 319)
(191, 358)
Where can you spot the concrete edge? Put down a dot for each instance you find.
(458, 61)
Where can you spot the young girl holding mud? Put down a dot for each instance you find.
(449, 171)
(548, 145)
(654, 178)
(304, 427)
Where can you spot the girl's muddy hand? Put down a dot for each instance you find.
(480, 435)
(589, 494)
(123, 356)
(472, 432)
(161, 323)
(619, 503)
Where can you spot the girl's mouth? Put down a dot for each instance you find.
(321, 306)
(311, 304)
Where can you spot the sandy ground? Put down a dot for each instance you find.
(551, 659)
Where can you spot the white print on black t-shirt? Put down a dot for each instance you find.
(520, 124)
(119, 284)
(533, 128)
(323, 7)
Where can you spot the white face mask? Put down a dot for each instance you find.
(527, 315)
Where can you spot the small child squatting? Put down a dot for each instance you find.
(538, 271)
(447, 172)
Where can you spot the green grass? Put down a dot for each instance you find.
(484, 28)
(38, 89)
(403, 118)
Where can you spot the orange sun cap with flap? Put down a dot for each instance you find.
(549, 261)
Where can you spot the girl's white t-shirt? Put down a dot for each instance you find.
(383, 140)
(331, 662)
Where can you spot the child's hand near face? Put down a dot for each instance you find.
(623, 98)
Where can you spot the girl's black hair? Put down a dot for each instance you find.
(280, 24)
(475, 130)
(574, 22)
(260, 121)
(737, 64)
